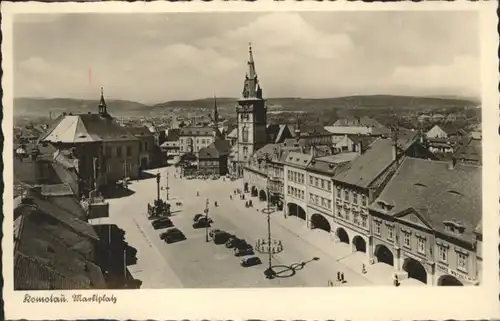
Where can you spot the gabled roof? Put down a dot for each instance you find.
(298, 159)
(364, 140)
(436, 193)
(233, 133)
(84, 128)
(470, 151)
(40, 205)
(369, 165)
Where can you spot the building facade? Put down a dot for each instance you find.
(427, 223)
(192, 139)
(295, 175)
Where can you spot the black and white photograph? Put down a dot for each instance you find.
(259, 150)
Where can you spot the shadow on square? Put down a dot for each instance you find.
(285, 271)
(115, 191)
(114, 255)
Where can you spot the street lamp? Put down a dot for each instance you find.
(269, 245)
(206, 221)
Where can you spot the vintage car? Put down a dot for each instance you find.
(162, 222)
(250, 261)
(172, 235)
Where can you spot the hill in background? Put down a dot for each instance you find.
(40, 107)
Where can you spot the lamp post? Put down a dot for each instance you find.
(168, 188)
(158, 188)
(206, 220)
(269, 245)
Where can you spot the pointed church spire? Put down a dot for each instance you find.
(216, 113)
(251, 87)
(102, 104)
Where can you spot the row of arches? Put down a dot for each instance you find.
(414, 268)
(383, 255)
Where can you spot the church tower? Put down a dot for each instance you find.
(102, 105)
(251, 114)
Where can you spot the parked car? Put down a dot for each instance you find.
(221, 237)
(250, 261)
(242, 251)
(160, 223)
(214, 231)
(202, 222)
(198, 217)
(235, 242)
(172, 235)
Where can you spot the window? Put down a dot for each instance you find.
(339, 192)
(346, 195)
(356, 219)
(244, 134)
(310, 197)
(129, 151)
(289, 190)
(245, 150)
(363, 200)
(197, 141)
(316, 182)
(109, 152)
(406, 239)
(347, 214)
(377, 228)
(390, 232)
(203, 141)
(443, 254)
(421, 245)
(462, 261)
(355, 198)
(329, 186)
(323, 184)
(182, 141)
(145, 145)
(311, 180)
(329, 204)
(363, 220)
(119, 151)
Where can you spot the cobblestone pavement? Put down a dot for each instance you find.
(197, 263)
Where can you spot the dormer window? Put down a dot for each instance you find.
(454, 227)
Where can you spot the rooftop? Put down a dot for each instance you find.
(369, 165)
(437, 193)
(84, 128)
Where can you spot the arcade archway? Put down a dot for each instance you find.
(448, 280)
(296, 210)
(359, 244)
(384, 255)
(318, 221)
(415, 270)
(342, 235)
(254, 191)
(262, 195)
(245, 187)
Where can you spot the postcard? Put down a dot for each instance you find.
(262, 160)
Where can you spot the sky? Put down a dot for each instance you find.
(159, 57)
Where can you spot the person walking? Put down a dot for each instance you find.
(363, 270)
(338, 277)
(342, 277)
